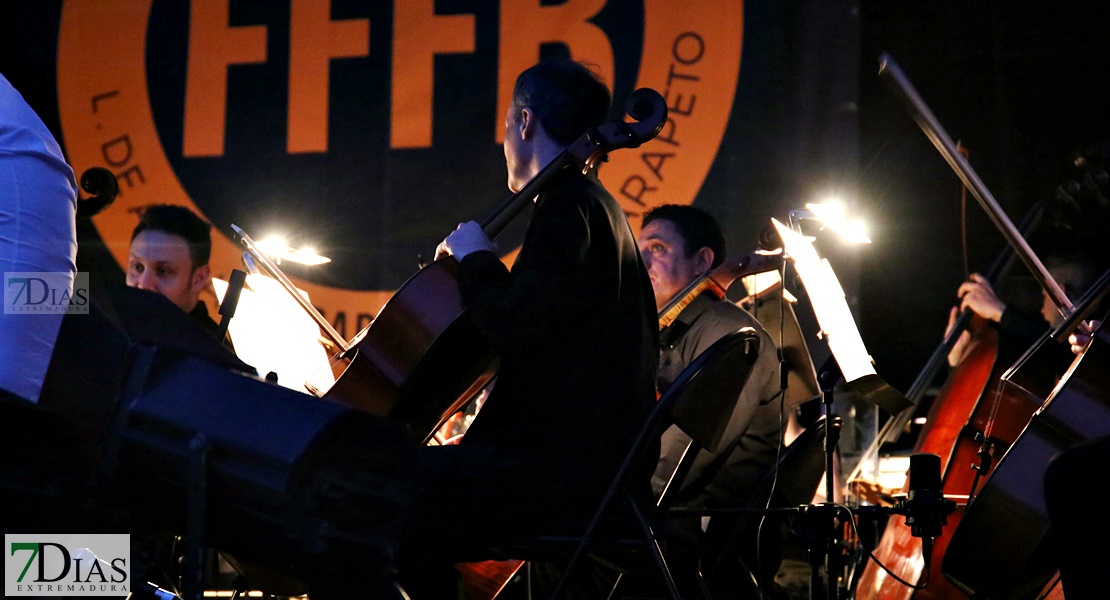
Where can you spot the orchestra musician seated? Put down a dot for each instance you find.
(574, 324)
(169, 254)
(1018, 330)
(680, 244)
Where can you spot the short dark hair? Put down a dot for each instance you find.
(179, 221)
(698, 229)
(567, 98)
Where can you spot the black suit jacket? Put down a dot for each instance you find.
(575, 326)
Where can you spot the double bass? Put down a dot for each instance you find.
(973, 417)
(1001, 549)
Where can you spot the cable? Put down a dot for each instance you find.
(855, 530)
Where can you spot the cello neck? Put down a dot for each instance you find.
(681, 300)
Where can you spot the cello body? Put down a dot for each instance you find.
(959, 414)
(1000, 549)
(422, 358)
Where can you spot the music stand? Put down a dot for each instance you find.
(773, 307)
(849, 360)
(291, 350)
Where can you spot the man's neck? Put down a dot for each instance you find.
(546, 152)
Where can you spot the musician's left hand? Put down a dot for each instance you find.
(466, 238)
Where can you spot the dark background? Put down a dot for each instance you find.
(1021, 85)
(1018, 83)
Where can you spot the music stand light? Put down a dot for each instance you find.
(850, 361)
(837, 324)
(273, 333)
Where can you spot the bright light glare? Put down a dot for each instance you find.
(305, 256)
(274, 246)
(277, 249)
(829, 305)
(831, 213)
(852, 231)
(832, 209)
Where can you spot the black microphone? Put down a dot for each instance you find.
(925, 508)
(231, 300)
(102, 184)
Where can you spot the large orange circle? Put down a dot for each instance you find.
(691, 56)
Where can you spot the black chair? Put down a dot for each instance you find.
(746, 541)
(713, 380)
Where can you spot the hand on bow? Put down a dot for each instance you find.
(1082, 336)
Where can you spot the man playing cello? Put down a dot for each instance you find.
(574, 324)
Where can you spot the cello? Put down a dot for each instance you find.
(421, 358)
(1001, 550)
(972, 416)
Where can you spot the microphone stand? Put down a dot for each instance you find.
(925, 507)
(822, 518)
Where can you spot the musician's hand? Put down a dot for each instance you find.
(956, 354)
(466, 238)
(1082, 336)
(978, 295)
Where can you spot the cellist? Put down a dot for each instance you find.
(1018, 330)
(575, 326)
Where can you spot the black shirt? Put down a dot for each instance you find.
(574, 324)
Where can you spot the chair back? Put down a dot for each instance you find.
(715, 377)
(794, 483)
(701, 401)
(801, 467)
(702, 398)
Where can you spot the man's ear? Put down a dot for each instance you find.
(527, 125)
(200, 278)
(703, 259)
